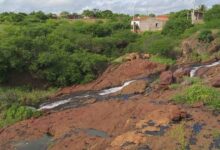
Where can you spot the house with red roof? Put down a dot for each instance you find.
(146, 23)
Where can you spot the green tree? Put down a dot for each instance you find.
(213, 13)
(177, 24)
(152, 15)
(64, 14)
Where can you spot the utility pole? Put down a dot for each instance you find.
(134, 24)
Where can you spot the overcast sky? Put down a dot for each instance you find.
(120, 6)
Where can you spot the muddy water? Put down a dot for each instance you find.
(39, 144)
(96, 133)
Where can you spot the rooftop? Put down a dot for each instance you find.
(142, 18)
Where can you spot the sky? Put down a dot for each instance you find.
(119, 6)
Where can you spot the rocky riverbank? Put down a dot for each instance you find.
(137, 116)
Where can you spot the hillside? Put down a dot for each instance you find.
(73, 84)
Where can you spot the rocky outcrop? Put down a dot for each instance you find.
(166, 78)
(116, 75)
(129, 137)
(216, 82)
(130, 124)
(193, 49)
(180, 73)
(133, 56)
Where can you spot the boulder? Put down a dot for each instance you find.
(132, 56)
(180, 73)
(216, 82)
(146, 56)
(158, 118)
(166, 78)
(136, 87)
(129, 137)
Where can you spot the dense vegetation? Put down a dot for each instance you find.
(62, 52)
(15, 103)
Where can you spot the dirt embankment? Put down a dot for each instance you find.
(116, 75)
(195, 51)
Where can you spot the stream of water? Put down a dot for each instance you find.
(71, 99)
(195, 69)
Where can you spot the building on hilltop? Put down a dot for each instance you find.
(146, 23)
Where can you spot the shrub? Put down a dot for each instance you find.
(174, 86)
(193, 80)
(200, 93)
(213, 13)
(22, 96)
(179, 133)
(205, 36)
(17, 113)
(162, 60)
(161, 46)
(177, 24)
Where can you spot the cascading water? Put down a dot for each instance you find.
(115, 89)
(195, 69)
(53, 105)
(47, 106)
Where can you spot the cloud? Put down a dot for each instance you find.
(120, 6)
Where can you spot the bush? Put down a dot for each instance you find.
(177, 24)
(162, 60)
(205, 36)
(22, 96)
(192, 80)
(17, 113)
(62, 68)
(213, 13)
(162, 46)
(200, 93)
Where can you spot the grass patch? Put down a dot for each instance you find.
(23, 96)
(118, 60)
(192, 80)
(200, 93)
(15, 102)
(162, 60)
(17, 113)
(215, 133)
(174, 86)
(178, 133)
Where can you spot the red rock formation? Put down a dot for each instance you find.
(116, 75)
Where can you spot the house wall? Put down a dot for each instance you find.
(151, 24)
(136, 23)
(196, 17)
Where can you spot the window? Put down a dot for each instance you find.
(157, 25)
